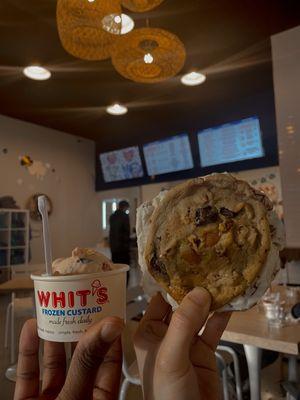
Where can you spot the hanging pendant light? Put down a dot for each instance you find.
(148, 55)
(141, 5)
(117, 24)
(79, 24)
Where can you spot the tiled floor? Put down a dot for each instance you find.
(270, 376)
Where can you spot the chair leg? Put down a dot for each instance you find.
(123, 390)
(224, 376)
(13, 336)
(7, 323)
(237, 374)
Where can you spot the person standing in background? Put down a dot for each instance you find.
(119, 235)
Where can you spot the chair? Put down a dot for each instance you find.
(236, 365)
(18, 307)
(136, 304)
(223, 369)
(292, 390)
(292, 385)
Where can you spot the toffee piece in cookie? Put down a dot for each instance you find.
(212, 232)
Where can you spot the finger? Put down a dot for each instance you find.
(54, 369)
(88, 356)
(186, 322)
(108, 379)
(27, 385)
(157, 309)
(152, 327)
(214, 329)
(168, 317)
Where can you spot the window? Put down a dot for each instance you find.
(109, 206)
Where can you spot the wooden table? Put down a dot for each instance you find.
(20, 284)
(251, 329)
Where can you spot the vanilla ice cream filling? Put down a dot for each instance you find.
(242, 302)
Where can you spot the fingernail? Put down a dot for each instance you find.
(111, 331)
(200, 296)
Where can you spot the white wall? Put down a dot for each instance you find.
(76, 218)
(286, 73)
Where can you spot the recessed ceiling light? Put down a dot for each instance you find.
(36, 72)
(193, 78)
(117, 109)
(118, 24)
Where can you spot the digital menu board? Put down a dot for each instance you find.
(168, 155)
(121, 164)
(236, 141)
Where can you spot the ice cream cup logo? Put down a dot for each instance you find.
(100, 291)
(67, 305)
(63, 299)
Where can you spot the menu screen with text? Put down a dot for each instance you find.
(169, 155)
(121, 164)
(236, 141)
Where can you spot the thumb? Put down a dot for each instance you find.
(88, 356)
(186, 322)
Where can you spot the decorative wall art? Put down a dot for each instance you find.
(35, 168)
(268, 181)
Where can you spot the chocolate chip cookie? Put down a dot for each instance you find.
(212, 232)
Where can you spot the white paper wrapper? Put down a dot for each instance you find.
(66, 306)
(243, 302)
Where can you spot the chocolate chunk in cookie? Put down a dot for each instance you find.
(205, 215)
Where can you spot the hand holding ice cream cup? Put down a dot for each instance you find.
(77, 292)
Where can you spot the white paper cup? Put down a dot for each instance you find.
(66, 306)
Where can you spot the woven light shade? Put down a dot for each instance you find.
(141, 5)
(148, 55)
(79, 24)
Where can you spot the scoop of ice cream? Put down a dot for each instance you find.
(82, 261)
(242, 302)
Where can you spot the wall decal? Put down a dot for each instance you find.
(26, 161)
(35, 168)
(268, 182)
(38, 170)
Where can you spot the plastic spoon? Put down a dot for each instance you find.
(42, 206)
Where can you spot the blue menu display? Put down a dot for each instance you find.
(122, 164)
(169, 155)
(236, 141)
